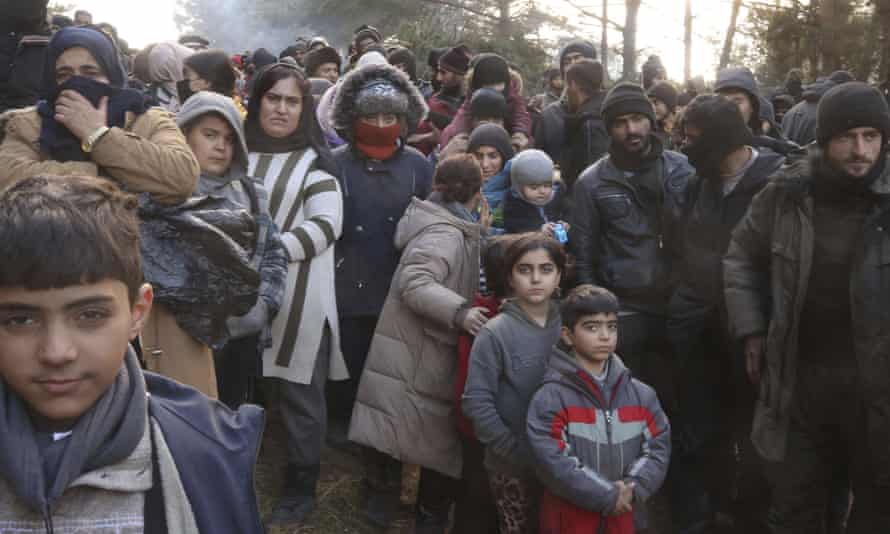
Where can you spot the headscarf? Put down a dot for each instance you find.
(55, 138)
(165, 64)
(308, 132)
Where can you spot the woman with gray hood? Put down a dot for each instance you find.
(213, 129)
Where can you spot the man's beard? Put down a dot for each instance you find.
(638, 150)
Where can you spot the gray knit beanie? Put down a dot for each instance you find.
(531, 167)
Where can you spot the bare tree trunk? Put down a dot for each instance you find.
(730, 34)
(505, 23)
(687, 42)
(629, 70)
(882, 10)
(604, 46)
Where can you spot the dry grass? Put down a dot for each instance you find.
(339, 495)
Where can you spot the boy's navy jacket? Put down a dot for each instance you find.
(585, 437)
(215, 450)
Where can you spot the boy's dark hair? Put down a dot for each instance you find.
(586, 299)
(493, 264)
(529, 242)
(458, 178)
(587, 73)
(58, 232)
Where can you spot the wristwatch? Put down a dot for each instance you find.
(90, 142)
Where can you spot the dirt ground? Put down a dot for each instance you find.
(340, 493)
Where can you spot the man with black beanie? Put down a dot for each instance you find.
(710, 404)
(623, 223)
(452, 66)
(806, 288)
(549, 133)
(738, 84)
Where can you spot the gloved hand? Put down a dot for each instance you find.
(250, 323)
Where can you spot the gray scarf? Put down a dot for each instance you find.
(455, 208)
(107, 434)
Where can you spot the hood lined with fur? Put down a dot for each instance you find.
(345, 112)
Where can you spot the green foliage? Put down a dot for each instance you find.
(58, 8)
(444, 28)
(804, 36)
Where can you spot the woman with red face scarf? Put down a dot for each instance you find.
(376, 109)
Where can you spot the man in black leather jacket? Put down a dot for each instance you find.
(625, 210)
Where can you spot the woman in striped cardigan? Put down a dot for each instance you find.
(289, 155)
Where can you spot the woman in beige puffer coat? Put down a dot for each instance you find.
(405, 407)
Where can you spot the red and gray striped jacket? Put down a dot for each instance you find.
(585, 437)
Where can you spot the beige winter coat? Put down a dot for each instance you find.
(148, 155)
(405, 405)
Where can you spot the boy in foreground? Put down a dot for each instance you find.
(600, 438)
(89, 442)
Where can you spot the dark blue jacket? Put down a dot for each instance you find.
(215, 451)
(375, 195)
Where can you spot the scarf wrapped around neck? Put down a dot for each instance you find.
(105, 435)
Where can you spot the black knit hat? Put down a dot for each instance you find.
(403, 56)
(581, 46)
(723, 130)
(741, 78)
(720, 122)
(489, 69)
(456, 60)
(488, 103)
(626, 98)
(841, 76)
(666, 93)
(319, 57)
(494, 136)
(852, 105)
(432, 59)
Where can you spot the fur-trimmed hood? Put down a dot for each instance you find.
(344, 114)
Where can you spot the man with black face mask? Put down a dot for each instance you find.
(623, 222)
(807, 290)
(89, 124)
(729, 173)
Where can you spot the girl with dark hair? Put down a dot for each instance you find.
(287, 152)
(210, 70)
(507, 363)
(405, 406)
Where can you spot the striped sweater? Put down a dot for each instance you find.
(306, 204)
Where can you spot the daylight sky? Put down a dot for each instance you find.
(660, 26)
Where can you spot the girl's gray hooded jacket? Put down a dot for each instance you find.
(236, 186)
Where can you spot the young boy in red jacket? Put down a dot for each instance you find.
(600, 438)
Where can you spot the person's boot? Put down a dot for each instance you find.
(429, 521)
(383, 507)
(298, 498)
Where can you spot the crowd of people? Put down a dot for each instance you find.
(524, 313)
